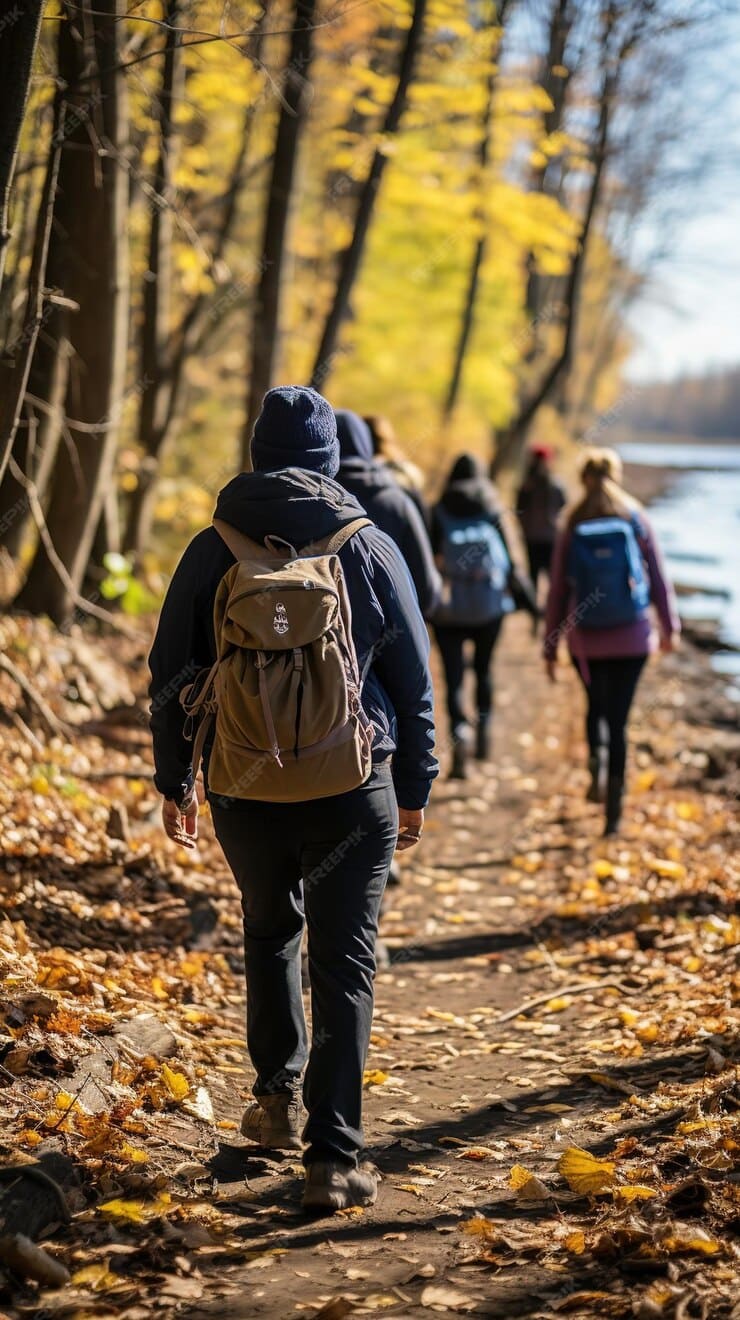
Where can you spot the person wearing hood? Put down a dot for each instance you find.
(324, 861)
(391, 508)
(481, 586)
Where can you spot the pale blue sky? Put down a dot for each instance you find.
(688, 318)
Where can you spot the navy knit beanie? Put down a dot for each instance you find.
(296, 428)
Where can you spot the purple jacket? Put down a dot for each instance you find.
(636, 638)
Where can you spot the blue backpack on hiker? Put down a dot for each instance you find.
(476, 571)
(607, 569)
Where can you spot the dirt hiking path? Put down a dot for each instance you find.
(549, 992)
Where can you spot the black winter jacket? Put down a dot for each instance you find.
(392, 508)
(300, 507)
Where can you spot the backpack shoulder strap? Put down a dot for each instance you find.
(333, 544)
(240, 545)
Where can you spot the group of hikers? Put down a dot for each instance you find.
(292, 659)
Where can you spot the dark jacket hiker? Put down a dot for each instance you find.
(383, 499)
(326, 859)
(481, 586)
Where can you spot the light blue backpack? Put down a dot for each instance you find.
(476, 569)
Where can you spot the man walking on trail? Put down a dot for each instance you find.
(324, 859)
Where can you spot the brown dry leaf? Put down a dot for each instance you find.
(577, 1300)
(440, 1297)
(477, 1153)
(584, 1173)
(336, 1309)
(610, 1083)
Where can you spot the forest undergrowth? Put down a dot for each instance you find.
(552, 1088)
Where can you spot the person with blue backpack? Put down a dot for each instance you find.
(606, 573)
(481, 586)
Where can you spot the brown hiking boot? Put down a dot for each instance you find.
(275, 1122)
(334, 1186)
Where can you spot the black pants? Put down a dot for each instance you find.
(610, 690)
(539, 554)
(451, 642)
(327, 861)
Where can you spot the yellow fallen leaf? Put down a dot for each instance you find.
(133, 1153)
(136, 1211)
(669, 870)
(97, 1277)
(557, 1004)
(576, 1242)
(379, 1301)
(527, 1185)
(410, 1187)
(634, 1193)
(584, 1173)
(177, 1083)
(226, 1124)
(603, 868)
(30, 1138)
(647, 1032)
(628, 1017)
(479, 1226)
(374, 1077)
(699, 1242)
(689, 811)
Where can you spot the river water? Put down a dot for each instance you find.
(697, 521)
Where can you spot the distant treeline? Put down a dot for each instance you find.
(706, 406)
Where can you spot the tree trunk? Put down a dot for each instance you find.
(20, 24)
(164, 367)
(92, 217)
(510, 447)
(291, 119)
(498, 17)
(555, 85)
(15, 364)
(351, 258)
(155, 334)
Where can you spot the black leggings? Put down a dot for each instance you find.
(451, 641)
(610, 690)
(539, 554)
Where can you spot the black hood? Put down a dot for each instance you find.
(473, 497)
(296, 505)
(353, 433)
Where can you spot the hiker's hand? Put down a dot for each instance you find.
(668, 643)
(551, 669)
(181, 825)
(410, 826)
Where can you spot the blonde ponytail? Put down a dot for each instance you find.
(601, 476)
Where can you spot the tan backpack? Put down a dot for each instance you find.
(285, 688)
